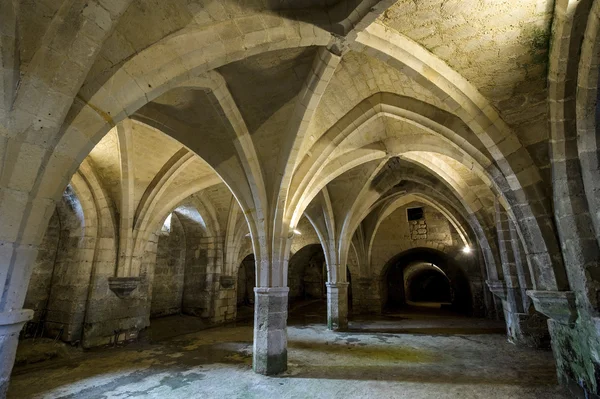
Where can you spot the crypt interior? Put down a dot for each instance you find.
(299, 199)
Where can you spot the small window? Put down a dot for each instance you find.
(414, 214)
(166, 228)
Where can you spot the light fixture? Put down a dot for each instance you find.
(296, 231)
(248, 235)
(467, 249)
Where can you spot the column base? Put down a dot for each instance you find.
(337, 306)
(270, 330)
(11, 324)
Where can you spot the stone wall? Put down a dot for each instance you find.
(307, 273)
(366, 296)
(41, 276)
(179, 272)
(167, 288)
(112, 319)
(396, 234)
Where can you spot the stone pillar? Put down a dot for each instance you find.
(524, 326)
(270, 330)
(525, 329)
(337, 306)
(10, 326)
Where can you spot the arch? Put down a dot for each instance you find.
(306, 273)
(103, 103)
(463, 298)
(63, 297)
(433, 284)
(246, 280)
(581, 246)
(402, 200)
(425, 116)
(362, 207)
(523, 183)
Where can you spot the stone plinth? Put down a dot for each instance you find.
(270, 330)
(556, 305)
(123, 286)
(10, 327)
(497, 288)
(337, 306)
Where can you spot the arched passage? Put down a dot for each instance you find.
(426, 284)
(425, 266)
(246, 281)
(307, 274)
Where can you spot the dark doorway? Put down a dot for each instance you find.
(246, 282)
(425, 277)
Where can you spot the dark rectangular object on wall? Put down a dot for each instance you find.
(414, 213)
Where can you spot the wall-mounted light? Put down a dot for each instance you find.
(248, 235)
(293, 232)
(466, 249)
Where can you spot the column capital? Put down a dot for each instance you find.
(14, 320)
(271, 290)
(557, 305)
(227, 282)
(123, 286)
(341, 284)
(497, 287)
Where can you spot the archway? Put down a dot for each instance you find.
(61, 276)
(427, 285)
(246, 281)
(427, 277)
(307, 274)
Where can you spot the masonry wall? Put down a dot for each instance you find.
(79, 306)
(307, 274)
(396, 234)
(167, 287)
(41, 276)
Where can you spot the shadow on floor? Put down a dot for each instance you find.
(430, 374)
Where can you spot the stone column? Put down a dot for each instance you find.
(270, 330)
(10, 326)
(337, 306)
(522, 326)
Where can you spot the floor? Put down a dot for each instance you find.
(414, 354)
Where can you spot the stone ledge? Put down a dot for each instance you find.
(337, 285)
(227, 282)
(272, 290)
(123, 286)
(497, 288)
(11, 322)
(559, 306)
